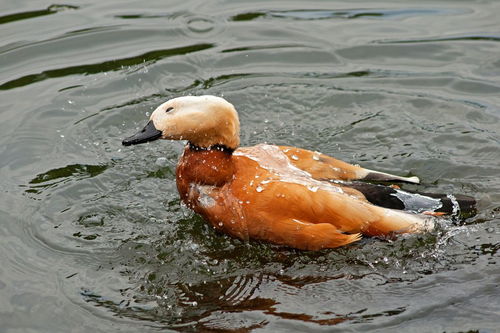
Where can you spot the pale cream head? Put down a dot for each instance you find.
(202, 120)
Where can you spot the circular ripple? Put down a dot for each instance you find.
(200, 26)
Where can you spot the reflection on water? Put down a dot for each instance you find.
(97, 234)
(343, 14)
(68, 171)
(106, 66)
(52, 9)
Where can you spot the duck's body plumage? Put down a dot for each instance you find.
(284, 195)
(258, 193)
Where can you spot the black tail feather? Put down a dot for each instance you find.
(389, 197)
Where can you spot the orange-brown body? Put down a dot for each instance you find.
(277, 194)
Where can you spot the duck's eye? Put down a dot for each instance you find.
(169, 109)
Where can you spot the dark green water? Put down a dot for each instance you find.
(93, 236)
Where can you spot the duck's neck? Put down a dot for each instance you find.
(211, 166)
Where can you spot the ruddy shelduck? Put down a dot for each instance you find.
(284, 195)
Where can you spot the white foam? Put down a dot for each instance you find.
(271, 158)
(204, 195)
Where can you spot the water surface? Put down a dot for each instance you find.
(93, 235)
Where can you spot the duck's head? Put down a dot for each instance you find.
(204, 121)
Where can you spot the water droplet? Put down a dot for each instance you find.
(316, 156)
(295, 157)
(221, 224)
(259, 189)
(161, 161)
(313, 188)
(455, 205)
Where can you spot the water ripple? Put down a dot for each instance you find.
(345, 14)
(473, 38)
(52, 9)
(106, 66)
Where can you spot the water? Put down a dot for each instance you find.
(93, 236)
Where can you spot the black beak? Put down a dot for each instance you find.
(148, 133)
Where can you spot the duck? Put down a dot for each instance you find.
(281, 194)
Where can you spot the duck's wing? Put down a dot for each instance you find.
(293, 211)
(297, 215)
(324, 167)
